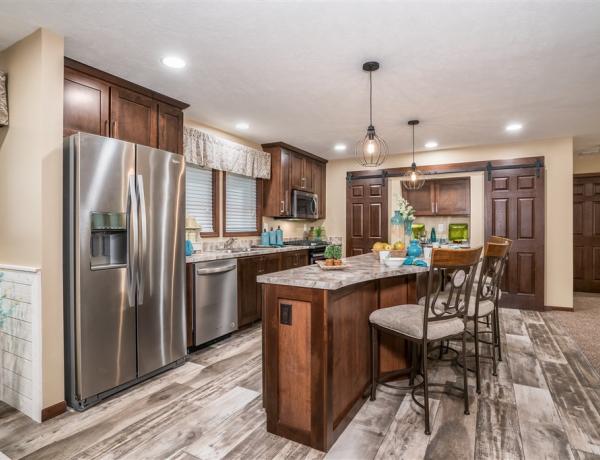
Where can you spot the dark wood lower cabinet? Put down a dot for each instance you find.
(249, 293)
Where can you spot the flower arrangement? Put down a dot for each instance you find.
(406, 211)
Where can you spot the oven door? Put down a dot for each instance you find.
(304, 205)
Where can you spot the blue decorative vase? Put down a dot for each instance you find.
(397, 219)
(414, 249)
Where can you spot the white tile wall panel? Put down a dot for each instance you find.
(20, 340)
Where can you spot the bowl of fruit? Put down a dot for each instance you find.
(393, 250)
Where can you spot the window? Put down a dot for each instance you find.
(242, 215)
(201, 198)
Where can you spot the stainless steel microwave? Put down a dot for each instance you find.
(305, 205)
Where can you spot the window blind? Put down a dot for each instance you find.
(240, 203)
(199, 200)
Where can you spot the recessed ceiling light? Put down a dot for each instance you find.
(242, 125)
(431, 144)
(173, 61)
(339, 147)
(514, 127)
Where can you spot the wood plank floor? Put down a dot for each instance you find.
(544, 403)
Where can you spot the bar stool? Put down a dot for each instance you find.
(500, 239)
(433, 321)
(483, 305)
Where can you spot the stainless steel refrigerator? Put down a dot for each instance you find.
(124, 257)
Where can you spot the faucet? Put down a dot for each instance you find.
(229, 243)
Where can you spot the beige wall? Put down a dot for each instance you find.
(558, 155)
(585, 164)
(31, 184)
(290, 229)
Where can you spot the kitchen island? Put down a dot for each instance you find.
(317, 359)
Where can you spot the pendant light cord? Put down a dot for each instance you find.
(370, 99)
(413, 142)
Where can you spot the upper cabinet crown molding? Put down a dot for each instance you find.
(99, 103)
(113, 79)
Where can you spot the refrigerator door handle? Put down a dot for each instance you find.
(144, 229)
(132, 249)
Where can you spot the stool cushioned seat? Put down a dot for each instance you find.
(408, 320)
(485, 306)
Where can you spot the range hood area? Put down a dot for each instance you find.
(3, 101)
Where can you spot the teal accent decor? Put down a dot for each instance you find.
(414, 249)
(397, 219)
(189, 248)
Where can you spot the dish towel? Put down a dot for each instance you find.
(414, 261)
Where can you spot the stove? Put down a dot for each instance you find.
(316, 249)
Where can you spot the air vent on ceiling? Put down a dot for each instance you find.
(3, 101)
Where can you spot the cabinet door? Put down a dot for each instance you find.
(318, 182)
(248, 289)
(422, 200)
(170, 128)
(285, 191)
(85, 104)
(453, 197)
(297, 171)
(302, 259)
(133, 117)
(288, 260)
(308, 172)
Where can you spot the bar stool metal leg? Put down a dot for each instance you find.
(465, 379)
(426, 389)
(374, 362)
(476, 340)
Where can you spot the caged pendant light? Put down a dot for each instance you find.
(372, 150)
(413, 179)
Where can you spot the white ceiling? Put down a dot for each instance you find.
(292, 70)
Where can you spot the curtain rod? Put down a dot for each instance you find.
(488, 169)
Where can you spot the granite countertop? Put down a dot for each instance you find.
(207, 256)
(361, 268)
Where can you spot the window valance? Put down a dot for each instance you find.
(213, 152)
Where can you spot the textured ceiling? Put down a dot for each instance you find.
(292, 70)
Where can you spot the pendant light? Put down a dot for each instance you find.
(413, 179)
(372, 150)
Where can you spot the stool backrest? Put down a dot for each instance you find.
(492, 268)
(502, 240)
(462, 264)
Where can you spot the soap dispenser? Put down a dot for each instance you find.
(272, 237)
(279, 236)
(264, 237)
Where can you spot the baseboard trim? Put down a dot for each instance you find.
(551, 308)
(54, 410)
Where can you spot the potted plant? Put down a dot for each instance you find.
(333, 255)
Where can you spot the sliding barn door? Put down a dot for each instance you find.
(586, 233)
(366, 214)
(515, 210)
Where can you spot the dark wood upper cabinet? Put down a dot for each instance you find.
(292, 169)
(100, 103)
(170, 128)
(422, 199)
(441, 197)
(133, 117)
(318, 183)
(453, 197)
(86, 102)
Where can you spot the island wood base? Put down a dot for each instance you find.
(316, 369)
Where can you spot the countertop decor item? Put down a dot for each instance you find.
(372, 150)
(323, 265)
(414, 249)
(458, 232)
(413, 179)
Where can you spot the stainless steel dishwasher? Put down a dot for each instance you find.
(215, 312)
